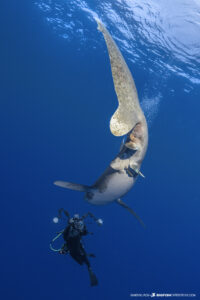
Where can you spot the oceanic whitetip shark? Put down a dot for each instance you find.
(122, 172)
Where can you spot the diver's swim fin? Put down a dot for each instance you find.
(120, 202)
(93, 278)
(72, 186)
(91, 255)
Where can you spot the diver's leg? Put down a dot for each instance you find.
(120, 202)
(93, 278)
(75, 250)
(84, 254)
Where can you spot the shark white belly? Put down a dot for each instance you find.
(117, 186)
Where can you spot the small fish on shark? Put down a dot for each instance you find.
(128, 119)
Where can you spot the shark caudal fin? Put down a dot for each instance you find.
(129, 112)
(72, 186)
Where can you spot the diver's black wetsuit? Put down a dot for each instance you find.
(73, 236)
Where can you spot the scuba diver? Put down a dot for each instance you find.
(72, 236)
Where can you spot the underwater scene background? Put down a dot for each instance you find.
(57, 98)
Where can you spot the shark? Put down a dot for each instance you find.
(129, 121)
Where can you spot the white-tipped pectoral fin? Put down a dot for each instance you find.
(72, 186)
(120, 202)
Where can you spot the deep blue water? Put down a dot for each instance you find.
(57, 98)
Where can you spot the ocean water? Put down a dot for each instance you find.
(57, 98)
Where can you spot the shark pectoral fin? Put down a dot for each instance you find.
(120, 202)
(72, 186)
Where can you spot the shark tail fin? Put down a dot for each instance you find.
(72, 186)
(129, 112)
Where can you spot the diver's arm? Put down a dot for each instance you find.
(98, 221)
(85, 231)
(90, 215)
(85, 216)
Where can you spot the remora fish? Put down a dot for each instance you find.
(129, 119)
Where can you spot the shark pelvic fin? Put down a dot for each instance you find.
(72, 186)
(120, 202)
